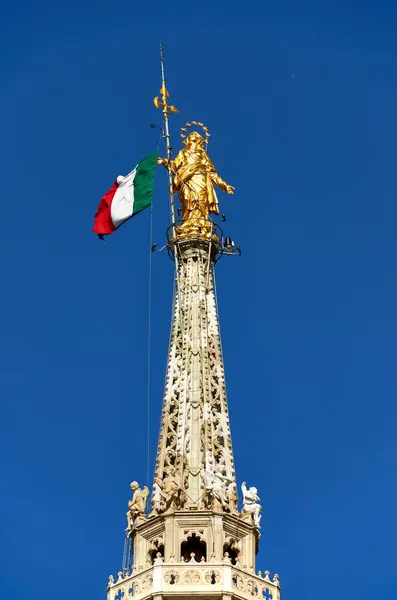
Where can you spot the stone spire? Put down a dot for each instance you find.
(195, 447)
(192, 539)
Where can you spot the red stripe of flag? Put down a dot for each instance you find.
(103, 224)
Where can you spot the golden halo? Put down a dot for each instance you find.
(197, 124)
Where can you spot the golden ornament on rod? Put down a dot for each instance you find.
(164, 96)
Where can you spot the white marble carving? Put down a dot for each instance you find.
(217, 483)
(156, 499)
(251, 504)
(137, 505)
(195, 421)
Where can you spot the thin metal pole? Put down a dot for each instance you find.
(168, 146)
(170, 177)
(149, 340)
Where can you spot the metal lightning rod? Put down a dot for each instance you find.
(166, 110)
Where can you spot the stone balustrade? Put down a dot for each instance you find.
(174, 578)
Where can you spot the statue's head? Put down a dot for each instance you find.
(134, 485)
(195, 139)
(253, 490)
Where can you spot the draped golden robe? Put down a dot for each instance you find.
(194, 179)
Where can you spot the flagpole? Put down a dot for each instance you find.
(166, 111)
(167, 142)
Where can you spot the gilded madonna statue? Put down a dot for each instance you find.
(194, 178)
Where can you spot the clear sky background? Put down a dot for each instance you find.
(300, 98)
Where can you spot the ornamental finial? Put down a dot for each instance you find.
(163, 91)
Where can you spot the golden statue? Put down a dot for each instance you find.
(194, 177)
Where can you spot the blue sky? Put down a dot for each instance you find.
(300, 99)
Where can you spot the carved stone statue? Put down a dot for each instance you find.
(251, 504)
(167, 493)
(233, 498)
(156, 499)
(137, 505)
(172, 492)
(194, 180)
(216, 484)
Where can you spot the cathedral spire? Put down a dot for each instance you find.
(195, 466)
(192, 538)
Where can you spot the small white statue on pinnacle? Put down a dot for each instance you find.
(251, 504)
(137, 505)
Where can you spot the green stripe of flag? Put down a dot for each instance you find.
(144, 182)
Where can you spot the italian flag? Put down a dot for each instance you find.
(126, 198)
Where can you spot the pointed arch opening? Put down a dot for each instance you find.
(194, 545)
(157, 547)
(230, 547)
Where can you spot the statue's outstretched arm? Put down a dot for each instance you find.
(218, 180)
(162, 161)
